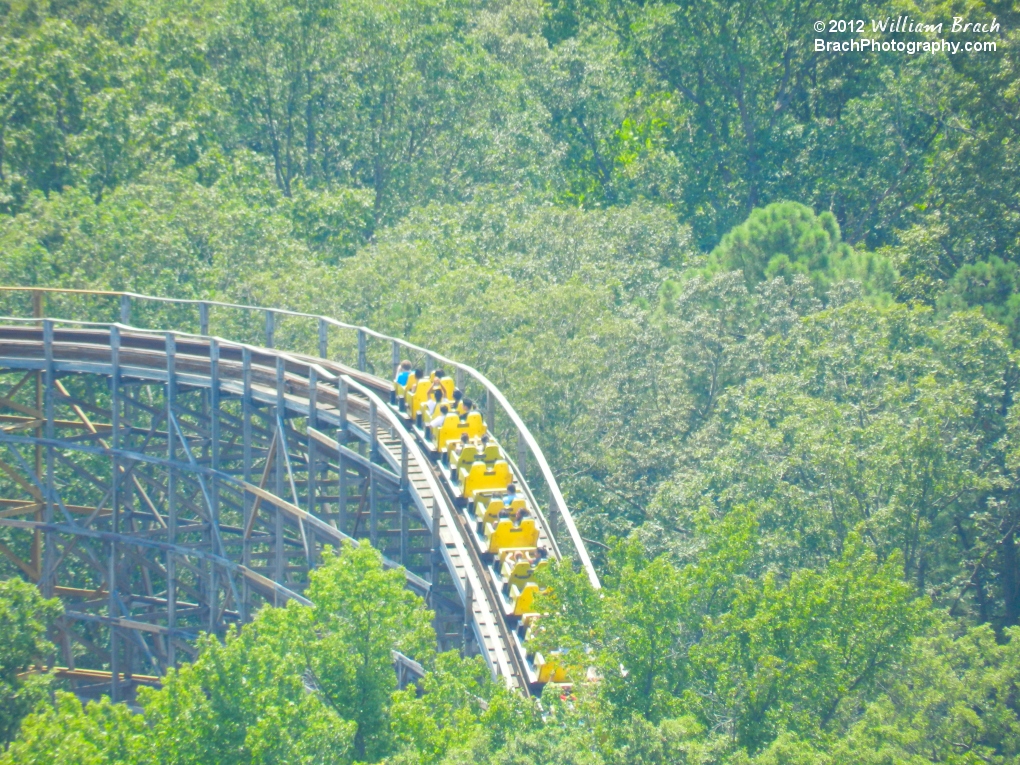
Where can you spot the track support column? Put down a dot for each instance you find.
(323, 338)
(313, 422)
(341, 437)
(270, 328)
(214, 488)
(469, 608)
(113, 607)
(373, 454)
(281, 444)
(171, 498)
(49, 551)
(247, 457)
(404, 497)
(437, 540)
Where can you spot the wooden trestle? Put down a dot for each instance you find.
(164, 484)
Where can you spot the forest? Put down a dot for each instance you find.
(759, 304)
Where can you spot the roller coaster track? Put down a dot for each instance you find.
(168, 481)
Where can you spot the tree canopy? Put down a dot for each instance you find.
(758, 303)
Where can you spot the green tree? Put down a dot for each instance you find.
(102, 732)
(992, 285)
(25, 617)
(789, 654)
(787, 238)
(298, 684)
(361, 614)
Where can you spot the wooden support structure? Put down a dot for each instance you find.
(164, 484)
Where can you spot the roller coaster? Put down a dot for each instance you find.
(169, 466)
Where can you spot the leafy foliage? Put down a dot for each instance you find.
(675, 236)
(785, 239)
(24, 619)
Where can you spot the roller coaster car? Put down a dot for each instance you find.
(490, 457)
(416, 397)
(461, 460)
(421, 397)
(450, 430)
(476, 426)
(400, 392)
(448, 387)
(481, 477)
(503, 534)
(523, 598)
(517, 571)
(453, 428)
(549, 670)
(487, 506)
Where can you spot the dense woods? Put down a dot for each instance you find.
(760, 304)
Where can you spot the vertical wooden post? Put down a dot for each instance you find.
(270, 328)
(214, 488)
(341, 437)
(437, 541)
(247, 457)
(373, 427)
(281, 444)
(37, 312)
(203, 318)
(342, 428)
(313, 422)
(395, 357)
(125, 309)
(469, 607)
(373, 510)
(362, 350)
(323, 338)
(373, 453)
(112, 606)
(404, 497)
(171, 498)
(49, 550)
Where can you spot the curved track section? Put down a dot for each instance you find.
(164, 484)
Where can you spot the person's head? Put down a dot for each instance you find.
(464, 438)
(457, 394)
(504, 513)
(440, 374)
(542, 553)
(485, 439)
(444, 409)
(468, 404)
(437, 395)
(511, 488)
(419, 373)
(405, 366)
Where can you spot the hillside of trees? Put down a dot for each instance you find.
(760, 305)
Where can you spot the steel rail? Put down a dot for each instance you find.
(557, 502)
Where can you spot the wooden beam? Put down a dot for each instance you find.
(18, 479)
(17, 561)
(68, 673)
(262, 484)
